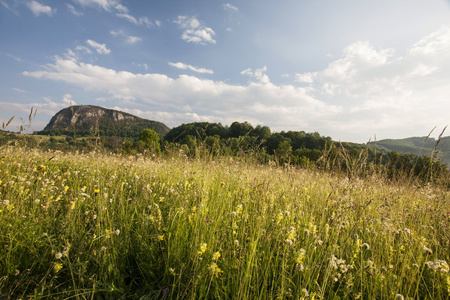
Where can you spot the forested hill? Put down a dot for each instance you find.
(85, 120)
(418, 146)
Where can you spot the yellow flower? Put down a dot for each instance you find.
(215, 270)
(216, 255)
(57, 267)
(161, 237)
(96, 191)
(41, 167)
(202, 248)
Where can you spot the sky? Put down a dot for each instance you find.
(354, 70)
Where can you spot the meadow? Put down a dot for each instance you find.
(107, 226)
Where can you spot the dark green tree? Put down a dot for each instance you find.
(149, 139)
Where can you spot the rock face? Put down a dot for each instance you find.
(94, 120)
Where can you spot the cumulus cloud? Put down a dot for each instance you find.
(44, 110)
(379, 90)
(186, 95)
(194, 32)
(100, 48)
(183, 66)
(38, 8)
(365, 91)
(258, 74)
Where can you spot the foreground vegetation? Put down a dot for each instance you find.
(107, 226)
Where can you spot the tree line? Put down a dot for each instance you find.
(243, 140)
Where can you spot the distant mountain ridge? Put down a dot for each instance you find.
(85, 120)
(417, 146)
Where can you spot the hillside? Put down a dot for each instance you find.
(85, 120)
(417, 146)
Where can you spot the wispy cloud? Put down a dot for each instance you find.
(73, 10)
(107, 5)
(100, 48)
(183, 66)
(38, 8)
(129, 39)
(121, 11)
(230, 7)
(18, 90)
(16, 58)
(194, 32)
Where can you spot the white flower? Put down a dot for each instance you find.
(58, 255)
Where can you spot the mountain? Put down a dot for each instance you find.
(89, 120)
(418, 146)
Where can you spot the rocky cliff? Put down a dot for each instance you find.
(82, 120)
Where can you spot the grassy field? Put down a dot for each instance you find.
(97, 226)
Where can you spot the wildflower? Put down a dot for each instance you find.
(58, 255)
(399, 297)
(96, 191)
(161, 237)
(426, 249)
(41, 167)
(202, 248)
(216, 255)
(57, 267)
(305, 292)
(438, 266)
(117, 232)
(301, 254)
(215, 270)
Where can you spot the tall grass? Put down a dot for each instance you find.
(96, 226)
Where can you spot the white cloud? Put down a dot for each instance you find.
(44, 110)
(194, 32)
(365, 91)
(133, 39)
(258, 102)
(38, 8)
(100, 48)
(230, 7)
(305, 77)
(383, 93)
(16, 58)
(108, 5)
(129, 18)
(18, 90)
(258, 74)
(73, 11)
(128, 38)
(183, 66)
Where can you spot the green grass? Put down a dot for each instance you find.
(95, 226)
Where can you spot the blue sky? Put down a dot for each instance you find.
(352, 70)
